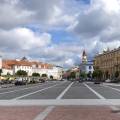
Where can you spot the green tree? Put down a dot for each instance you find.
(51, 77)
(8, 74)
(44, 75)
(107, 74)
(89, 75)
(97, 74)
(21, 73)
(72, 75)
(117, 74)
(83, 75)
(35, 74)
(0, 72)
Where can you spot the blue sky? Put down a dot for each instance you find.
(84, 1)
(61, 36)
(57, 31)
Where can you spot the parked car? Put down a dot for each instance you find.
(20, 81)
(80, 80)
(41, 80)
(115, 80)
(96, 81)
(108, 81)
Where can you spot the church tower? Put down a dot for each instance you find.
(84, 57)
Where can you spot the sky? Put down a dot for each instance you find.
(57, 31)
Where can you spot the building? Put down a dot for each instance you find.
(84, 57)
(12, 66)
(76, 69)
(86, 66)
(108, 62)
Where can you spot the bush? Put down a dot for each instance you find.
(97, 74)
(51, 77)
(44, 75)
(72, 75)
(21, 73)
(116, 74)
(36, 75)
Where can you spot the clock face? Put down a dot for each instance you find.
(84, 57)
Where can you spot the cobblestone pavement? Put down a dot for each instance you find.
(20, 113)
(60, 101)
(58, 113)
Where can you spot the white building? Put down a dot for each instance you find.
(86, 66)
(12, 66)
(56, 72)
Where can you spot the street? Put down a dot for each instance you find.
(61, 90)
(56, 100)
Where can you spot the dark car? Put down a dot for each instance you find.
(20, 81)
(115, 80)
(41, 80)
(97, 82)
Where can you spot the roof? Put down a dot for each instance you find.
(108, 52)
(8, 64)
(84, 53)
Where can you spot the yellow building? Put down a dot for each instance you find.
(108, 62)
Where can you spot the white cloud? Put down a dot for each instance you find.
(69, 62)
(110, 5)
(23, 38)
(11, 15)
(100, 21)
(43, 13)
(96, 26)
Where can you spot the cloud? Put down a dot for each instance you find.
(12, 15)
(27, 28)
(69, 62)
(90, 24)
(100, 20)
(23, 39)
(37, 12)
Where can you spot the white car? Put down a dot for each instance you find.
(108, 81)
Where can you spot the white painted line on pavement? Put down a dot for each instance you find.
(111, 88)
(61, 102)
(112, 84)
(45, 113)
(111, 105)
(21, 89)
(31, 93)
(96, 93)
(64, 91)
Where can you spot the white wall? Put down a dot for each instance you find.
(28, 69)
(89, 70)
(56, 72)
(5, 71)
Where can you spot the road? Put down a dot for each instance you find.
(53, 89)
(54, 100)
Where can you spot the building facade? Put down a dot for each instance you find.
(12, 66)
(86, 65)
(108, 62)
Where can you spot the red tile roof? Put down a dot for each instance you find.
(8, 64)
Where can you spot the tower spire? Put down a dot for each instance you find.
(84, 57)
